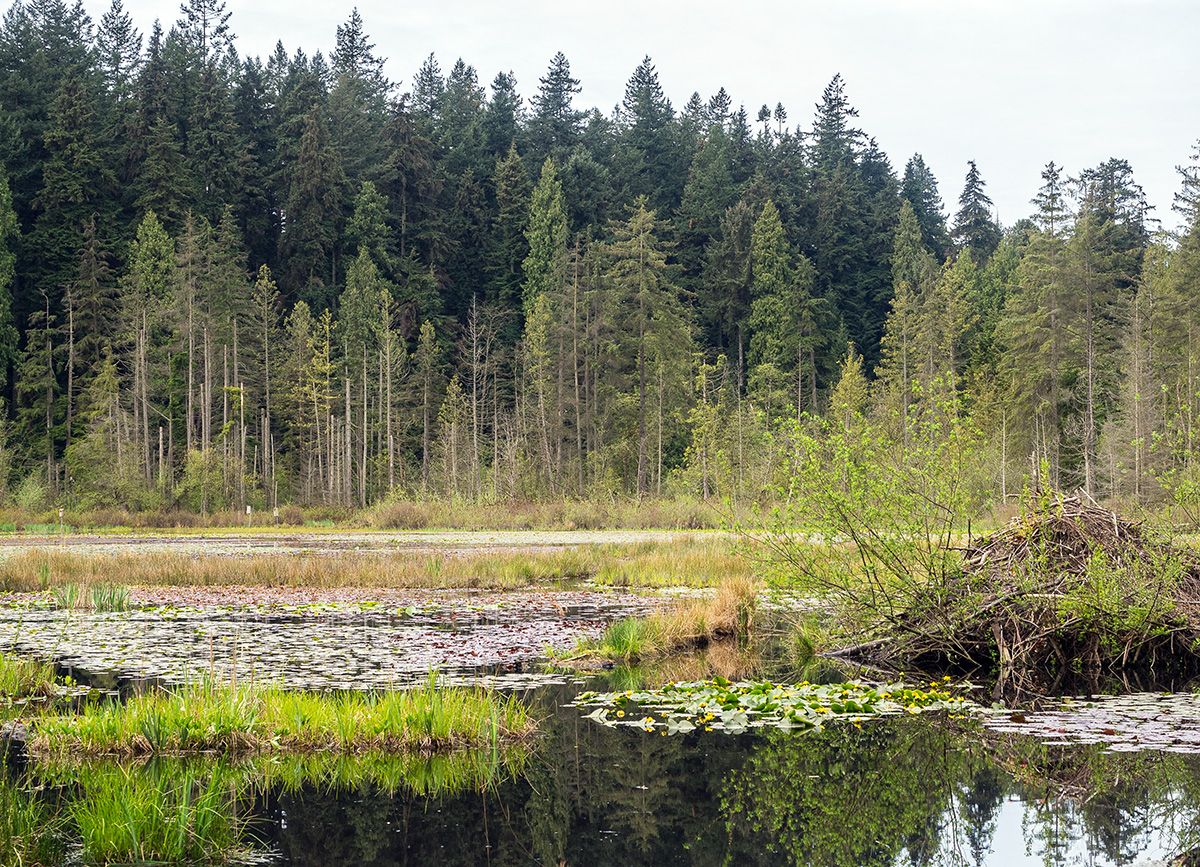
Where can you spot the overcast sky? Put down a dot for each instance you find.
(1011, 84)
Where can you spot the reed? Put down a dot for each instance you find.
(227, 719)
(726, 616)
(24, 678)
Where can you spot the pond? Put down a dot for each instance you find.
(1094, 783)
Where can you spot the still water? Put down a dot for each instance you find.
(898, 791)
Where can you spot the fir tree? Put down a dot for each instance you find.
(545, 265)
(974, 226)
(920, 189)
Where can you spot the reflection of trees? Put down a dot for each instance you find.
(845, 796)
(899, 791)
(980, 805)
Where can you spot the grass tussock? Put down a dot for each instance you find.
(84, 580)
(236, 720)
(728, 616)
(24, 678)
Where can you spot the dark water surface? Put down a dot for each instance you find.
(897, 791)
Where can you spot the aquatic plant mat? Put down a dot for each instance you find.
(721, 705)
(336, 639)
(234, 720)
(1065, 586)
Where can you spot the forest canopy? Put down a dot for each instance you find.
(231, 280)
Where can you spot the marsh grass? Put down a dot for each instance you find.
(124, 816)
(85, 580)
(30, 831)
(233, 720)
(24, 678)
(399, 513)
(728, 615)
(93, 597)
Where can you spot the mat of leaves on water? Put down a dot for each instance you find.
(722, 705)
(321, 642)
(1169, 722)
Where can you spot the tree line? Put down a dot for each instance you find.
(226, 280)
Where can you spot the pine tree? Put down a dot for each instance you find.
(651, 162)
(9, 236)
(651, 328)
(503, 116)
(508, 245)
(974, 226)
(163, 184)
(313, 204)
(76, 183)
(913, 272)
(1187, 200)
(367, 228)
(119, 50)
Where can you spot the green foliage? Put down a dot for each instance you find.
(205, 718)
(679, 708)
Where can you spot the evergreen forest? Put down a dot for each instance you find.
(231, 281)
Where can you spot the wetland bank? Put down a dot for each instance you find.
(183, 721)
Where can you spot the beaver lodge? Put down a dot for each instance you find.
(1067, 587)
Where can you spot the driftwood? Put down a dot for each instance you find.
(1067, 586)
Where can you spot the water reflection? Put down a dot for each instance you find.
(913, 791)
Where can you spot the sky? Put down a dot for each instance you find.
(1011, 84)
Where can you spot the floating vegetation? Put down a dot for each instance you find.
(1124, 723)
(317, 640)
(721, 705)
(229, 719)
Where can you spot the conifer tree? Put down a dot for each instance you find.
(554, 127)
(545, 265)
(974, 225)
(783, 320)
(920, 189)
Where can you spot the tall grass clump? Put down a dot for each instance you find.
(127, 816)
(92, 597)
(728, 616)
(30, 831)
(24, 678)
(218, 718)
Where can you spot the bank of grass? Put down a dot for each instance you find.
(727, 616)
(683, 561)
(239, 720)
(22, 678)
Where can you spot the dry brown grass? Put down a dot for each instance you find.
(727, 616)
(675, 562)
